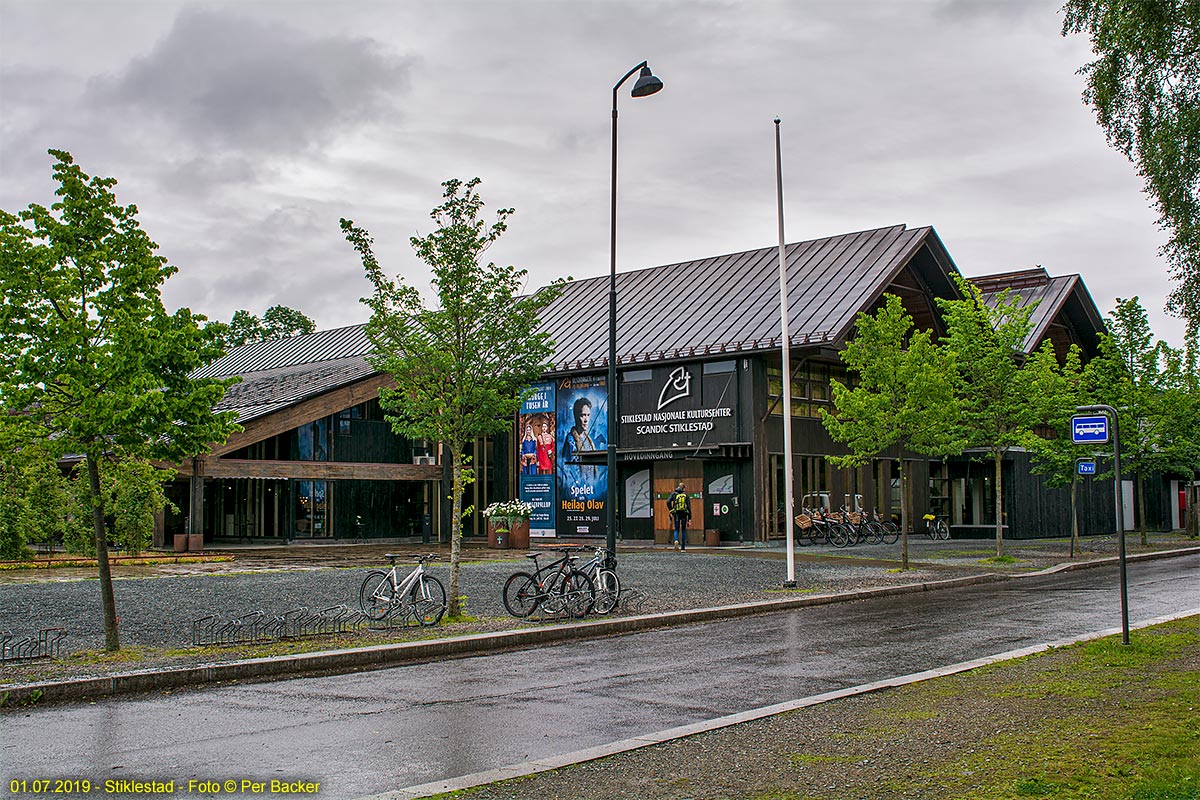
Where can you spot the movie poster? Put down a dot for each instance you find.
(582, 428)
(537, 453)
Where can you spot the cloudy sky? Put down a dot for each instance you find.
(243, 131)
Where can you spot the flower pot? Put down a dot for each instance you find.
(518, 535)
(498, 533)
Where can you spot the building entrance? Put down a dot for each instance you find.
(668, 474)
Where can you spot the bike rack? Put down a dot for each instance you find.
(46, 643)
(258, 626)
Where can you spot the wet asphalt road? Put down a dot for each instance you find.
(376, 731)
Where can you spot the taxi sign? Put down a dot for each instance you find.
(1087, 467)
(1089, 429)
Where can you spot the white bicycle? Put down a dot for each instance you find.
(420, 596)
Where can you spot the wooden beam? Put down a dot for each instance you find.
(324, 405)
(319, 470)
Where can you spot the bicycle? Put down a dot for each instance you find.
(555, 587)
(420, 595)
(891, 531)
(861, 529)
(608, 585)
(936, 527)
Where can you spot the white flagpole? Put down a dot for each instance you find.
(789, 513)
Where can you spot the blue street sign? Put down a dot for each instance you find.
(1087, 467)
(1089, 429)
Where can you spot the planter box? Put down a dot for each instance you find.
(515, 533)
(181, 542)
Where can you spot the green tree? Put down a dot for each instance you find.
(16, 524)
(1145, 89)
(134, 495)
(1145, 380)
(985, 343)
(461, 366)
(93, 364)
(1055, 391)
(278, 322)
(904, 398)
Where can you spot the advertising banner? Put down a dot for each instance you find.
(582, 427)
(536, 457)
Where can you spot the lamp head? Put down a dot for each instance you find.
(646, 84)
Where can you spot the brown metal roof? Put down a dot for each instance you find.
(292, 351)
(1063, 301)
(722, 304)
(264, 392)
(730, 303)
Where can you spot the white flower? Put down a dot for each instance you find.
(508, 509)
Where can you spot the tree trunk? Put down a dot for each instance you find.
(1139, 503)
(455, 609)
(999, 509)
(1074, 515)
(112, 640)
(904, 512)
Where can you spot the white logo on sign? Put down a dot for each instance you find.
(677, 387)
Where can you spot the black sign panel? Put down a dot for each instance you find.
(691, 405)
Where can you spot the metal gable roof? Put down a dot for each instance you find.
(726, 303)
(1051, 295)
(264, 392)
(730, 302)
(289, 352)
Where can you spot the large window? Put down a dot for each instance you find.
(811, 390)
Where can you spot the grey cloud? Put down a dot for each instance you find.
(974, 10)
(202, 175)
(227, 81)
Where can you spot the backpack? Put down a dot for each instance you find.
(680, 502)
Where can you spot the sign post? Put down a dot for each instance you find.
(1090, 425)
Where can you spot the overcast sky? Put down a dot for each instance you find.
(243, 131)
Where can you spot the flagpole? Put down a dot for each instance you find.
(789, 513)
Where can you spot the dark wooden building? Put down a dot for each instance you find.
(700, 384)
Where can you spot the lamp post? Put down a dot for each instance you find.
(646, 84)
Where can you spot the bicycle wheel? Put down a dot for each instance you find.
(428, 601)
(891, 533)
(838, 536)
(941, 529)
(521, 594)
(579, 594)
(608, 591)
(874, 533)
(376, 594)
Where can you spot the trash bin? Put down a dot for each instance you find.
(181, 542)
(712, 538)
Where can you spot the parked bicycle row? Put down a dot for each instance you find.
(560, 587)
(847, 528)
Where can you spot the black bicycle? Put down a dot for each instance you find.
(555, 588)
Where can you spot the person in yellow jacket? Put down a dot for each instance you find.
(680, 506)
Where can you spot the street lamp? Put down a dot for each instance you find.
(646, 85)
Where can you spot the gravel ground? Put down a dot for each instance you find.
(158, 612)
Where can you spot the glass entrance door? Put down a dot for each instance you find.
(313, 520)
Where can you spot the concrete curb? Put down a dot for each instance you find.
(382, 656)
(671, 734)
